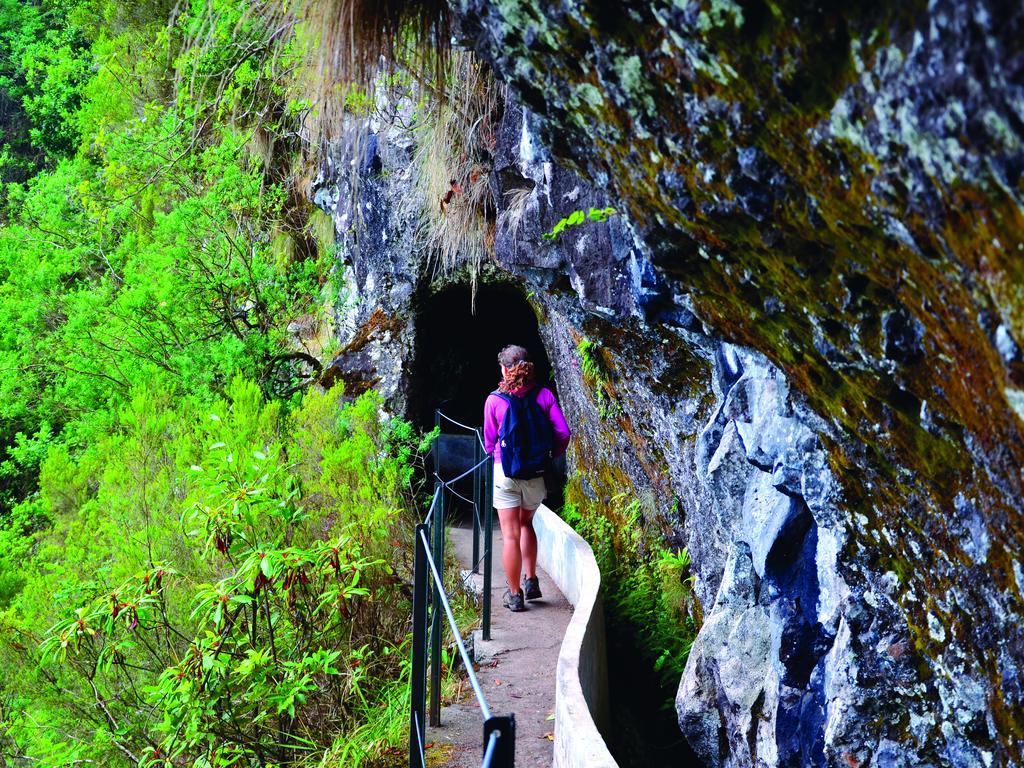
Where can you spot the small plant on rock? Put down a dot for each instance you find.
(596, 374)
(578, 217)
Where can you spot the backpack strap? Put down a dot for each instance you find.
(507, 397)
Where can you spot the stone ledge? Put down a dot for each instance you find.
(581, 676)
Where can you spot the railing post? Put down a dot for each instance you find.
(478, 454)
(488, 513)
(505, 749)
(437, 442)
(435, 626)
(418, 683)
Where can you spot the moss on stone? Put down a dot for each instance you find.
(837, 242)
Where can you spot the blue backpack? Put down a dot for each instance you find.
(526, 437)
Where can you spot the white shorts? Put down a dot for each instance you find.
(509, 492)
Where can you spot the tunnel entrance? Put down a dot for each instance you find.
(455, 366)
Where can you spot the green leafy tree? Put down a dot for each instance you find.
(200, 560)
(160, 244)
(224, 616)
(44, 62)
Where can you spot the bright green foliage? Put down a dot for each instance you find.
(206, 586)
(647, 587)
(44, 63)
(587, 350)
(576, 218)
(597, 374)
(149, 250)
(198, 561)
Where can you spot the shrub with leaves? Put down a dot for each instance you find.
(230, 618)
(648, 588)
(198, 560)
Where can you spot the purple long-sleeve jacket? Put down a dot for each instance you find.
(494, 414)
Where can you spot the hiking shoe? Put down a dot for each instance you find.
(531, 587)
(513, 602)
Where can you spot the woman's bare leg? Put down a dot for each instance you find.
(528, 542)
(511, 556)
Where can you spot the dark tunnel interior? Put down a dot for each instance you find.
(455, 365)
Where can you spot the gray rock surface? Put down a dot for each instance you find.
(364, 185)
(836, 192)
(764, 652)
(728, 688)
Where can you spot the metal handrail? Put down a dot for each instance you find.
(455, 630)
(498, 742)
(456, 423)
(477, 526)
(465, 474)
(433, 503)
(482, 491)
(492, 742)
(418, 726)
(458, 495)
(476, 430)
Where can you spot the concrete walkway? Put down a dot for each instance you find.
(516, 671)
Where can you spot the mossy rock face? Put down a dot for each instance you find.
(838, 187)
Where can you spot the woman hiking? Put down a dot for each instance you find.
(523, 430)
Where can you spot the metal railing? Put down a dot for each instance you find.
(483, 485)
(498, 731)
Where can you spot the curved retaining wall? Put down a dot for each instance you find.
(581, 678)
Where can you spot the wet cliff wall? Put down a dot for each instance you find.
(807, 320)
(840, 189)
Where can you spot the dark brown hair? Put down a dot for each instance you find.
(512, 354)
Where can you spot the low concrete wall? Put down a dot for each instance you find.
(581, 677)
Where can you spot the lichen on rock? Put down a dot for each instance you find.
(810, 309)
(848, 203)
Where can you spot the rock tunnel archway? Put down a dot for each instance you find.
(455, 365)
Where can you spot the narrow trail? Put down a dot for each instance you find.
(516, 671)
